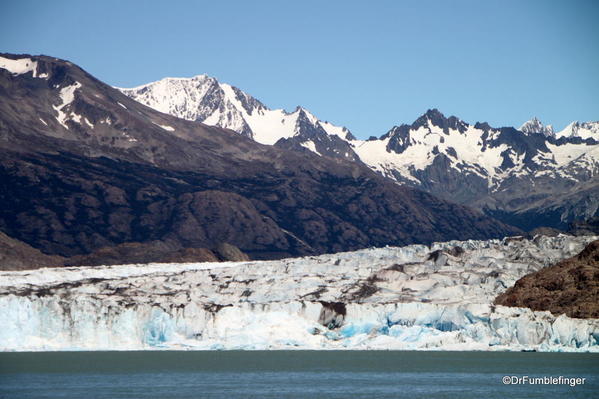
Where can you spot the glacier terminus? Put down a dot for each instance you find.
(411, 298)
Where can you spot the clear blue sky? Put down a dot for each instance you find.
(367, 65)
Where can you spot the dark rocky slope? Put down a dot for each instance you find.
(16, 255)
(570, 287)
(588, 227)
(133, 174)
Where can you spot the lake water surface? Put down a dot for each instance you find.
(292, 374)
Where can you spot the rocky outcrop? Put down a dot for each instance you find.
(16, 255)
(570, 287)
(190, 255)
(231, 253)
(153, 251)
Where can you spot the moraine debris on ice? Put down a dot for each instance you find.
(413, 297)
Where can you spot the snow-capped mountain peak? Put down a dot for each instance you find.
(535, 126)
(204, 99)
(200, 98)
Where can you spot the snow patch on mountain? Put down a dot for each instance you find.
(566, 153)
(269, 126)
(586, 130)
(311, 146)
(19, 66)
(67, 95)
(165, 127)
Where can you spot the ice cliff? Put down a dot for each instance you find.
(413, 297)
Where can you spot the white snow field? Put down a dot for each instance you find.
(414, 298)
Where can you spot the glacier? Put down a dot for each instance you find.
(417, 297)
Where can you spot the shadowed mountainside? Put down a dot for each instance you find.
(84, 167)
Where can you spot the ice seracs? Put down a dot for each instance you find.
(413, 297)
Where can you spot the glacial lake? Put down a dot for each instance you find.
(292, 374)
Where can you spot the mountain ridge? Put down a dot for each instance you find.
(85, 167)
(500, 171)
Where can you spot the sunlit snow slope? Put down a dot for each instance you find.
(412, 297)
(204, 99)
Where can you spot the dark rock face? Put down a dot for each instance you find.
(249, 103)
(570, 287)
(16, 255)
(134, 175)
(435, 117)
(73, 206)
(201, 218)
(399, 138)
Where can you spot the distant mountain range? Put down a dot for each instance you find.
(84, 167)
(528, 177)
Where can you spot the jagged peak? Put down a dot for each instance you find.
(303, 113)
(434, 113)
(535, 126)
(435, 117)
(431, 115)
